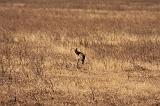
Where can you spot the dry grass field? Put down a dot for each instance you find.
(121, 40)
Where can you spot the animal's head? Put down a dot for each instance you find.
(76, 50)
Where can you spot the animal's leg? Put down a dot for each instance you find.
(82, 61)
(78, 63)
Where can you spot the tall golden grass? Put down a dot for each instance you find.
(120, 40)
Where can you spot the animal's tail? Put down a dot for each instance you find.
(83, 59)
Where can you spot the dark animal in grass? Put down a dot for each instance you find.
(81, 57)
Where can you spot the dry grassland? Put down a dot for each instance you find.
(121, 40)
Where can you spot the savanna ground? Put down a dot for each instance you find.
(121, 40)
